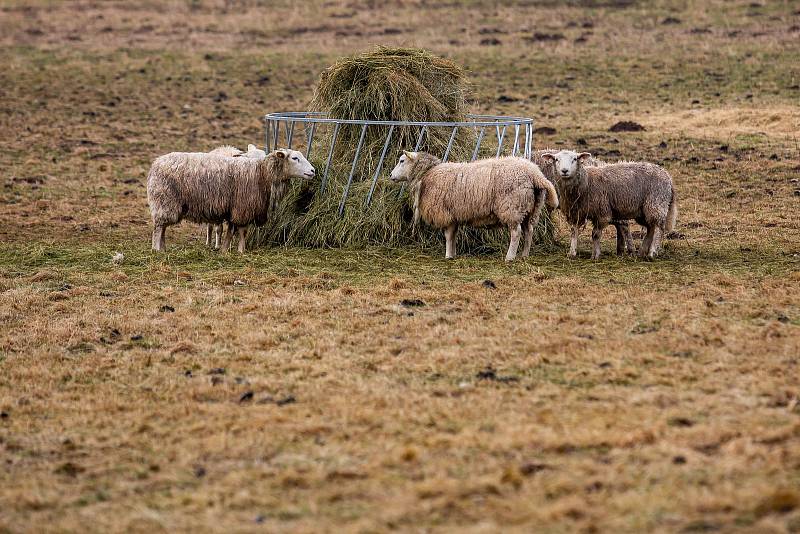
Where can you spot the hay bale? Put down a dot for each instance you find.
(400, 84)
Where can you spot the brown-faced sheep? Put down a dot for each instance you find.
(500, 191)
(617, 191)
(624, 237)
(214, 189)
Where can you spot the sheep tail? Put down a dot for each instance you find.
(672, 214)
(552, 195)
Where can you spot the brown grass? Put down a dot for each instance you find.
(369, 390)
(774, 121)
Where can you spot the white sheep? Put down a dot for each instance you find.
(499, 191)
(617, 191)
(230, 151)
(213, 189)
(216, 229)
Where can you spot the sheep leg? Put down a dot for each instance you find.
(655, 242)
(450, 241)
(629, 246)
(241, 232)
(158, 237)
(573, 242)
(597, 233)
(619, 226)
(532, 221)
(217, 235)
(208, 235)
(646, 250)
(516, 231)
(227, 237)
(528, 237)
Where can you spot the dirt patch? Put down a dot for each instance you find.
(626, 126)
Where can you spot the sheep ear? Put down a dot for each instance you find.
(584, 155)
(251, 147)
(410, 155)
(549, 157)
(280, 154)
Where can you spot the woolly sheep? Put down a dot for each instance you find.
(213, 189)
(233, 152)
(216, 229)
(624, 237)
(500, 191)
(630, 190)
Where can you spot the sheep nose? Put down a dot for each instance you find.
(564, 172)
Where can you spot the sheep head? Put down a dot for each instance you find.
(292, 163)
(566, 162)
(412, 166)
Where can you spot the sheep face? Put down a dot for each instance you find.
(566, 162)
(402, 171)
(297, 166)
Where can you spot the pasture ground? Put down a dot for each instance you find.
(367, 390)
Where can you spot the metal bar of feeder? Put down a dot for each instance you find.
(500, 142)
(277, 133)
(330, 157)
(266, 135)
(449, 144)
(380, 165)
(310, 139)
(478, 145)
(290, 135)
(322, 117)
(352, 169)
(527, 141)
(516, 140)
(530, 141)
(419, 138)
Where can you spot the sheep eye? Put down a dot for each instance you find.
(295, 158)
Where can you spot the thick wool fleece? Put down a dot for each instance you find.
(489, 192)
(206, 188)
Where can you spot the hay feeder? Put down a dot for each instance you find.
(493, 135)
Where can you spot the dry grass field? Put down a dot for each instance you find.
(295, 390)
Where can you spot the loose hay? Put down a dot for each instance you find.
(400, 84)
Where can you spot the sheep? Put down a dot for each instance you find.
(230, 151)
(506, 191)
(630, 190)
(624, 237)
(213, 189)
